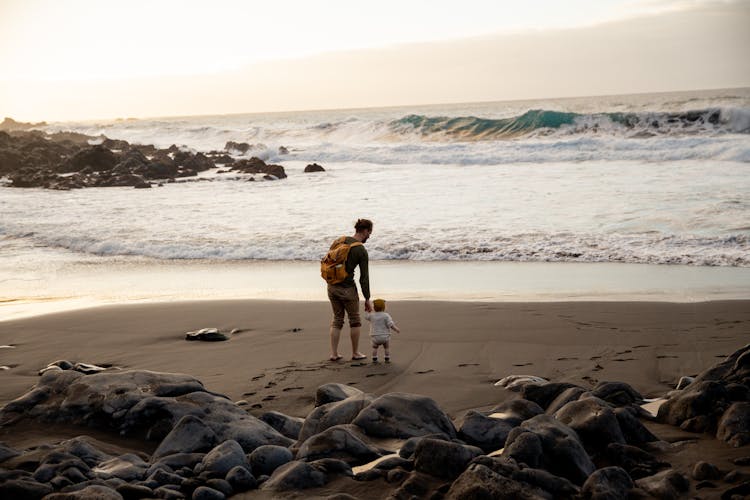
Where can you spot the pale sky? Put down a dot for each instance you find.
(92, 59)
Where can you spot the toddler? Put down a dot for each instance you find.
(381, 325)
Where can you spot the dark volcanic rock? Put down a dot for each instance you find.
(267, 458)
(330, 414)
(704, 470)
(516, 411)
(97, 158)
(24, 489)
(240, 147)
(734, 426)
(633, 430)
(257, 166)
(314, 167)
(189, 435)
(442, 458)
(562, 451)
(608, 483)
(241, 479)
(487, 433)
(286, 425)
(329, 393)
(223, 458)
(343, 442)
(407, 450)
(295, 476)
(617, 393)
(637, 462)
(707, 399)
(735, 368)
(565, 397)
(667, 484)
(479, 482)
(400, 415)
(138, 403)
(544, 394)
(593, 420)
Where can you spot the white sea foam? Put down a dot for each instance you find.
(641, 179)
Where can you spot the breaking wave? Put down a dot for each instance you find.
(539, 122)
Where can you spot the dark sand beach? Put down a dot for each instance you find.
(452, 352)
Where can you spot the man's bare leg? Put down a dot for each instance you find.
(335, 335)
(355, 343)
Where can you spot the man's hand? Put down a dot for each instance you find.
(368, 306)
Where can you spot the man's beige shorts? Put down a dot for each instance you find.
(344, 299)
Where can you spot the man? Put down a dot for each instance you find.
(344, 296)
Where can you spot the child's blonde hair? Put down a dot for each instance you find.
(379, 304)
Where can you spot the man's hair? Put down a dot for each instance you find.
(363, 225)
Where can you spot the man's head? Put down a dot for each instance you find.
(363, 229)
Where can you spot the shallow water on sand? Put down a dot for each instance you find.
(66, 285)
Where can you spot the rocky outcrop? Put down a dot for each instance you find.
(592, 446)
(67, 160)
(716, 401)
(141, 404)
(257, 166)
(400, 415)
(314, 167)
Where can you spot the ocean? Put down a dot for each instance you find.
(650, 179)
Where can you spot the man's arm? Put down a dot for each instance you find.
(364, 278)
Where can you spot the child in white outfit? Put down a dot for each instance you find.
(381, 325)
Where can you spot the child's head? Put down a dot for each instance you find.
(379, 304)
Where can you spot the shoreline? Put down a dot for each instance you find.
(76, 284)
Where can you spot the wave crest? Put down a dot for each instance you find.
(547, 122)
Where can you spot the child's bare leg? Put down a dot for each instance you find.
(386, 349)
(374, 353)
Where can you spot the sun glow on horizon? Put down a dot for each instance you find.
(97, 59)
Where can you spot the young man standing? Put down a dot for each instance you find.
(344, 296)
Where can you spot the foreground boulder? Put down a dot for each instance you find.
(442, 458)
(715, 401)
(343, 442)
(138, 403)
(400, 415)
(543, 442)
(335, 413)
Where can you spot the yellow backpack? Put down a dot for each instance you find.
(333, 265)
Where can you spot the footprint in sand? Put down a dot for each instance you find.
(270, 397)
(257, 377)
(523, 364)
(567, 359)
(662, 356)
(359, 364)
(285, 389)
(463, 365)
(639, 346)
(257, 406)
(270, 384)
(249, 393)
(592, 358)
(623, 359)
(597, 368)
(377, 374)
(424, 371)
(623, 352)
